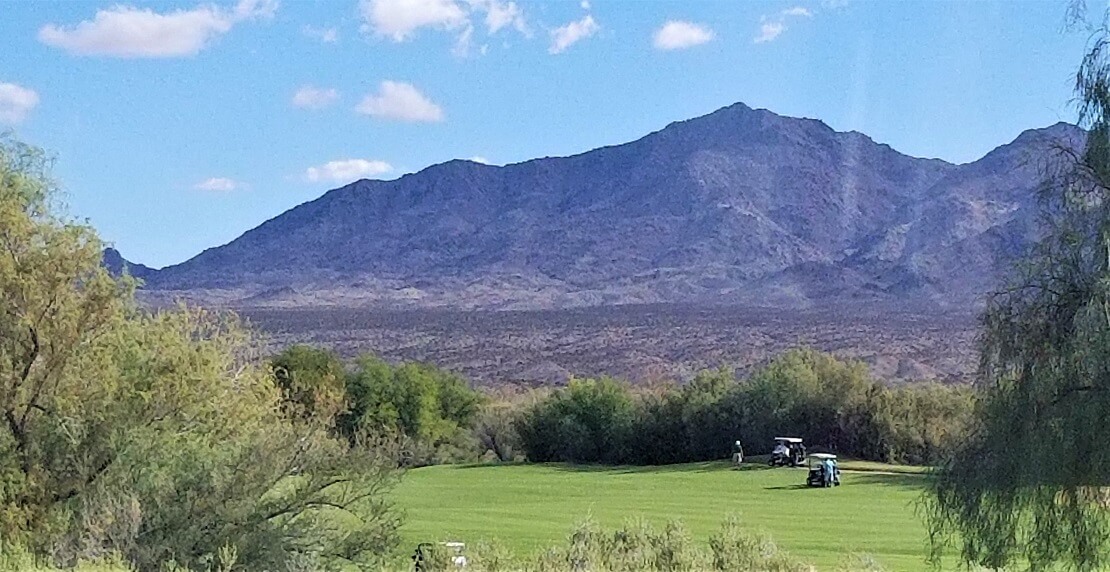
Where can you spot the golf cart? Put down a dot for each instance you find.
(823, 470)
(422, 558)
(788, 451)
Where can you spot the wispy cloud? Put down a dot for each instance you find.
(679, 34)
(400, 101)
(797, 11)
(309, 97)
(571, 33)
(218, 184)
(400, 20)
(771, 27)
(129, 32)
(326, 35)
(346, 170)
(501, 15)
(16, 102)
(768, 31)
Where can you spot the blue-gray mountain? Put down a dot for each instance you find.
(117, 265)
(740, 206)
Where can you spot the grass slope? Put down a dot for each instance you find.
(527, 507)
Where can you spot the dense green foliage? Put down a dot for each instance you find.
(832, 404)
(313, 381)
(432, 410)
(429, 405)
(1030, 483)
(588, 422)
(156, 436)
(529, 508)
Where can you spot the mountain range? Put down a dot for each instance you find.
(741, 206)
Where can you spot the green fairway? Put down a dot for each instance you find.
(527, 507)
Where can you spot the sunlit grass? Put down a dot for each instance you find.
(527, 507)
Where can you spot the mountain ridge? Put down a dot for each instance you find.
(740, 206)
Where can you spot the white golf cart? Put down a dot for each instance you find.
(823, 470)
(788, 451)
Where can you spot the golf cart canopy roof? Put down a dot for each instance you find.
(789, 439)
(822, 456)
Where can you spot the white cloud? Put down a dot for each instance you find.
(797, 11)
(768, 31)
(564, 37)
(398, 19)
(346, 170)
(772, 28)
(326, 35)
(502, 14)
(218, 184)
(16, 102)
(677, 35)
(479, 159)
(128, 32)
(585, 4)
(400, 101)
(309, 97)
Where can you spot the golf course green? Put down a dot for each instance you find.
(527, 507)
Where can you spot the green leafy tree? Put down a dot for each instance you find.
(1030, 483)
(589, 421)
(803, 393)
(156, 436)
(433, 408)
(313, 381)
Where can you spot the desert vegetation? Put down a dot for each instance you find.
(642, 344)
(832, 404)
(158, 438)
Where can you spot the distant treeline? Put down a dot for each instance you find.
(834, 405)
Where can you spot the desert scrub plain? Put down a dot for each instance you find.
(641, 343)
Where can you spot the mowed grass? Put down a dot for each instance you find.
(528, 507)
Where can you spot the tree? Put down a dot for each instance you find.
(589, 421)
(313, 381)
(1029, 483)
(431, 407)
(158, 436)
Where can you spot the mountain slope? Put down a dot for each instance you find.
(739, 206)
(117, 265)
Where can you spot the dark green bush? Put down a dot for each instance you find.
(589, 421)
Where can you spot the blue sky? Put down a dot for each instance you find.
(179, 125)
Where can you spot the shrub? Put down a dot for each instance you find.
(588, 421)
(313, 381)
(636, 547)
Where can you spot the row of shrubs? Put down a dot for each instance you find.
(635, 547)
(832, 404)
